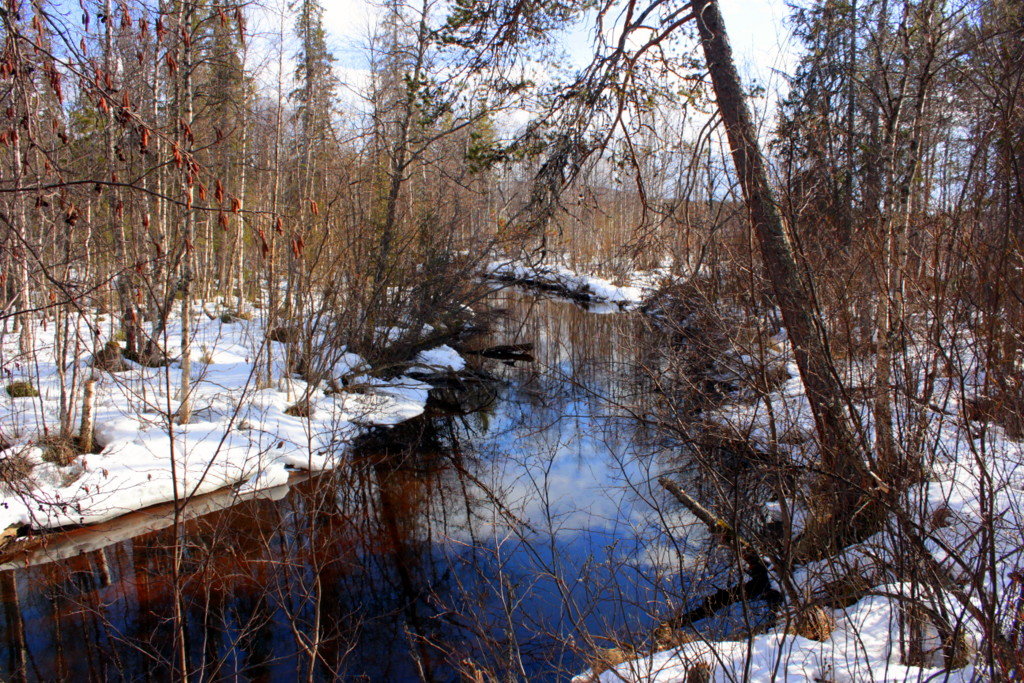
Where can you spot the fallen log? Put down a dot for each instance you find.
(717, 525)
(759, 586)
(556, 287)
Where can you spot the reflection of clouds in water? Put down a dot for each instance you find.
(601, 493)
(562, 485)
(554, 452)
(581, 473)
(564, 503)
(691, 553)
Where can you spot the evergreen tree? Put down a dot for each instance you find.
(316, 86)
(819, 135)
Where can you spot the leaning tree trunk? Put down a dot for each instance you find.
(840, 491)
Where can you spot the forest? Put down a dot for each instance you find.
(511, 340)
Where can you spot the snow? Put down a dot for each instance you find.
(592, 287)
(859, 649)
(975, 481)
(240, 434)
(442, 358)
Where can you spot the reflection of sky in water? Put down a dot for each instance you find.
(555, 447)
(565, 497)
(569, 474)
(543, 538)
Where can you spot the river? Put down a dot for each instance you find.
(516, 540)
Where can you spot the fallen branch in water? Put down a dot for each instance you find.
(759, 586)
(513, 352)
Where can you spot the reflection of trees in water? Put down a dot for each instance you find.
(15, 631)
(574, 348)
(340, 576)
(401, 564)
(587, 364)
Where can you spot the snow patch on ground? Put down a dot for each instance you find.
(860, 649)
(442, 358)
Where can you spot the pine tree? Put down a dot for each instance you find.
(314, 99)
(226, 95)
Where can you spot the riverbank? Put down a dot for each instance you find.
(254, 419)
(929, 595)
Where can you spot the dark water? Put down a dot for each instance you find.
(515, 539)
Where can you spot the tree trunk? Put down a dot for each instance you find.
(88, 427)
(188, 180)
(840, 488)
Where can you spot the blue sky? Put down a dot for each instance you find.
(757, 29)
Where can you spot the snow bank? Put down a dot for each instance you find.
(973, 495)
(859, 649)
(442, 358)
(241, 434)
(559, 279)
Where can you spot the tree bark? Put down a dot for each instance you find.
(840, 452)
(185, 104)
(88, 427)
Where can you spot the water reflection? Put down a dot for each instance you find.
(509, 540)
